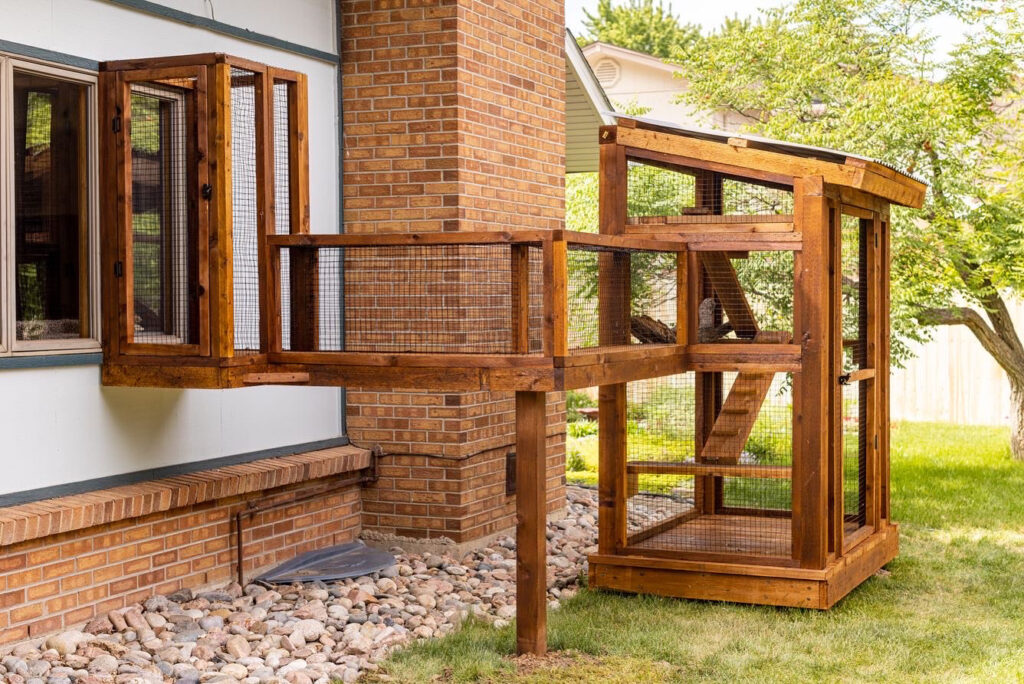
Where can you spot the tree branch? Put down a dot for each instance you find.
(1005, 355)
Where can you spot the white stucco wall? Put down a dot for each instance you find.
(59, 425)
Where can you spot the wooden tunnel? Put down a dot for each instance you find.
(213, 279)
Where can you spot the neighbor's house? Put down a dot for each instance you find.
(443, 115)
(951, 378)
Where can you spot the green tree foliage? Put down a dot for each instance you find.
(641, 25)
(952, 119)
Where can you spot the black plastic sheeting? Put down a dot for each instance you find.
(336, 562)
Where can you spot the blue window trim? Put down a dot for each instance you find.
(51, 360)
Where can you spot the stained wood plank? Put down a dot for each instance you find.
(531, 517)
(811, 385)
(719, 469)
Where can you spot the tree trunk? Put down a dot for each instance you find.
(1017, 419)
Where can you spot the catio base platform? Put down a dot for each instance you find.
(740, 583)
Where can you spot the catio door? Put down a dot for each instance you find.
(162, 266)
(856, 345)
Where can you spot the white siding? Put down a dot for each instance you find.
(59, 425)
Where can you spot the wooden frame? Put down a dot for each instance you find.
(827, 559)
(821, 565)
(165, 365)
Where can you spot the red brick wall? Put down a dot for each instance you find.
(57, 581)
(454, 120)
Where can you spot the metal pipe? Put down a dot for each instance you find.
(252, 509)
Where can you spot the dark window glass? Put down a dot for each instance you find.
(51, 208)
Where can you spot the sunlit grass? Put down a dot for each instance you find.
(950, 609)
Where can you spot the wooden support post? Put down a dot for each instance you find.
(707, 195)
(882, 369)
(613, 486)
(221, 271)
(264, 94)
(531, 523)
(520, 276)
(811, 385)
(305, 293)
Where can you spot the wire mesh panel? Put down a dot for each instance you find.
(662, 193)
(412, 299)
(660, 432)
(639, 291)
(164, 222)
(727, 493)
(746, 296)
(244, 211)
(282, 197)
(855, 396)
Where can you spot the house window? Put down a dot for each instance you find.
(47, 219)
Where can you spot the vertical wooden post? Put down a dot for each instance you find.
(882, 369)
(611, 468)
(304, 273)
(707, 386)
(264, 96)
(835, 510)
(531, 523)
(520, 275)
(222, 307)
(613, 295)
(811, 385)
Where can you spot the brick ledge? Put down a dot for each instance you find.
(80, 511)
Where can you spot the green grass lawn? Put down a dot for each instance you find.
(950, 609)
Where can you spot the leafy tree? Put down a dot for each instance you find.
(638, 25)
(871, 66)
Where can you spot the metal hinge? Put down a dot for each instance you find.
(876, 442)
(115, 125)
(844, 379)
(118, 269)
(207, 191)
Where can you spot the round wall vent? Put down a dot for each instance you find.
(607, 72)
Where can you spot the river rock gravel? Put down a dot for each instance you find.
(313, 633)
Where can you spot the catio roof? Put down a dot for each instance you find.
(748, 151)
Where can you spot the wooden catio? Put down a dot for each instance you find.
(759, 473)
(740, 283)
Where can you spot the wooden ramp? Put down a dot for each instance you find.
(739, 412)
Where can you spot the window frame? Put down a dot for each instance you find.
(9, 345)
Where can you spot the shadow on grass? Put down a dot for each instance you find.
(950, 607)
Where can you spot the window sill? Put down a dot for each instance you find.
(51, 359)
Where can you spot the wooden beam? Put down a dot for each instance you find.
(749, 161)
(811, 385)
(531, 523)
(718, 469)
(519, 273)
(611, 469)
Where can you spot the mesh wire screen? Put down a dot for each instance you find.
(282, 198)
(419, 299)
(643, 285)
(660, 193)
(244, 210)
(164, 258)
(746, 296)
(672, 508)
(855, 397)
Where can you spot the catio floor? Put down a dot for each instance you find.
(745, 534)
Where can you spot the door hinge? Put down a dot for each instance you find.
(118, 269)
(876, 442)
(876, 238)
(115, 125)
(207, 191)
